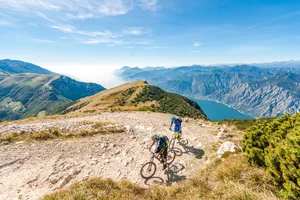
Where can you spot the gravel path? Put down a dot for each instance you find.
(30, 170)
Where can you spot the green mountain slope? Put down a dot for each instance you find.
(17, 67)
(28, 95)
(141, 96)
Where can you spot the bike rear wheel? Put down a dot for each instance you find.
(172, 144)
(177, 151)
(148, 170)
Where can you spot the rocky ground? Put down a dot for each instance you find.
(28, 170)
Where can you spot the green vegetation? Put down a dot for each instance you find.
(276, 146)
(232, 179)
(26, 95)
(53, 133)
(244, 124)
(9, 137)
(125, 96)
(168, 103)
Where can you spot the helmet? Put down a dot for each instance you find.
(172, 118)
(154, 136)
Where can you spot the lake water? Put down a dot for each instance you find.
(217, 111)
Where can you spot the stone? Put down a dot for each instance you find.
(74, 172)
(220, 135)
(4, 143)
(32, 180)
(65, 181)
(54, 179)
(113, 145)
(126, 163)
(186, 120)
(119, 173)
(117, 152)
(200, 145)
(66, 167)
(20, 142)
(226, 147)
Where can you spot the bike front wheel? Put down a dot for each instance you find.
(148, 170)
(171, 156)
(183, 141)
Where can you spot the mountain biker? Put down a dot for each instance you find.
(177, 126)
(162, 147)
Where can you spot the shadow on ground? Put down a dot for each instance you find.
(190, 149)
(172, 173)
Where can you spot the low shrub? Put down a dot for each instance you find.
(276, 146)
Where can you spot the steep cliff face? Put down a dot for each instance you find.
(258, 92)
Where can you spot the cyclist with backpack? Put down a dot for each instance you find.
(162, 147)
(177, 126)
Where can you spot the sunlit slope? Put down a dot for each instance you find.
(141, 96)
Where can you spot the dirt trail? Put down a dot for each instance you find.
(30, 170)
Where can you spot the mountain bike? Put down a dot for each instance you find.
(149, 168)
(180, 140)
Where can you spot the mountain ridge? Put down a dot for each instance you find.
(27, 90)
(18, 67)
(138, 96)
(227, 84)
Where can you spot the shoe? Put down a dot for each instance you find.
(164, 167)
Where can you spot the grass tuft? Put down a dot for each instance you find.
(54, 133)
(9, 137)
(231, 179)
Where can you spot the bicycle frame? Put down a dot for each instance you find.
(154, 156)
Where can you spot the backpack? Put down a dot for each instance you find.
(179, 119)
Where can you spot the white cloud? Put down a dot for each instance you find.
(45, 17)
(106, 34)
(134, 31)
(78, 9)
(64, 27)
(43, 41)
(197, 44)
(103, 37)
(151, 5)
(5, 23)
(102, 41)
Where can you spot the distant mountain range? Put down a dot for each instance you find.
(27, 90)
(265, 91)
(18, 67)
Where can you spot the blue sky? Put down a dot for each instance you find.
(88, 39)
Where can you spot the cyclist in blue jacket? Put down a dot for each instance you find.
(177, 126)
(162, 147)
